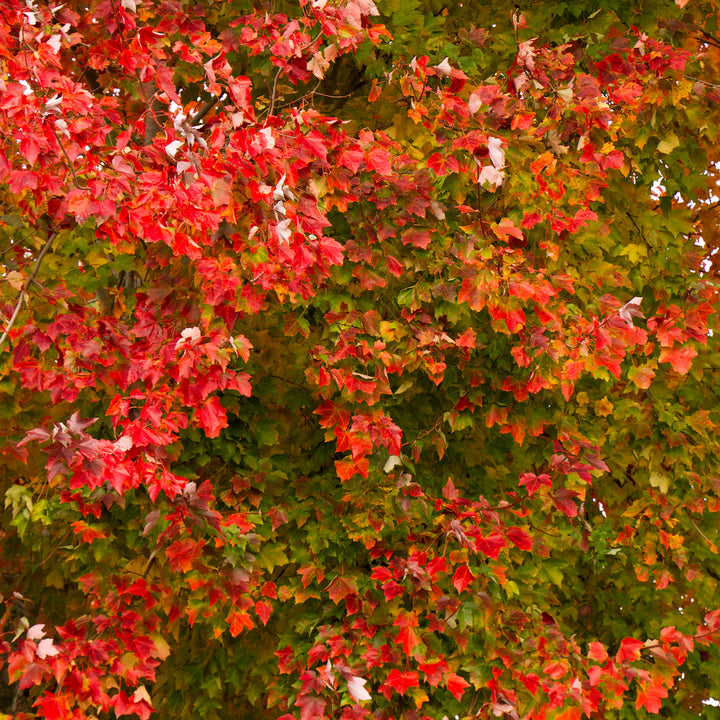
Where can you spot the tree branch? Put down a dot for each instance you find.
(26, 285)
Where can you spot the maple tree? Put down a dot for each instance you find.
(357, 359)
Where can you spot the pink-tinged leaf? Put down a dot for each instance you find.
(46, 648)
(597, 462)
(19, 180)
(211, 417)
(35, 434)
(450, 491)
(240, 89)
(595, 674)
(150, 521)
(356, 688)
(311, 707)
(679, 357)
(36, 632)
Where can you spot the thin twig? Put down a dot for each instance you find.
(274, 88)
(16, 242)
(56, 548)
(26, 285)
(702, 534)
(69, 161)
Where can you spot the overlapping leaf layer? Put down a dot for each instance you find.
(357, 359)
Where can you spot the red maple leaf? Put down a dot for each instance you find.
(679, 357)
(340, 588)
(238, 622)
(401, 681)
(54, 707)
(263, 610)
(182, 553)
(462, 578)
(378, 159)
(456, 685)
(629, 650)
(491, 545)
(211, 417)
(519, 538)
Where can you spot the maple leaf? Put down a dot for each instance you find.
(53, 707)
(379, 159)
(490, 545)
(519, 538)
(650, 696)
(456, 685)
(356, 688)
(340, 588)
(46, 648)
(263, 610)
(462, 578)
(239, 621)
(156, 203)
(211, 417)
(311, 708)
(182, 553)
(679, 357)
(401, 681)
(534, 482)
(629, 650)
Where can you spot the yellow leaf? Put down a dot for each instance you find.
(668, 144)
(660, 480)
(162, 649)
(15, 279)
(603, 407)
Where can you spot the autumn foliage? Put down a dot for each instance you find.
(359, 360)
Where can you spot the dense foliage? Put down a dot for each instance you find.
(357, 360)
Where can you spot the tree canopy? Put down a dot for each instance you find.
(359, 359)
